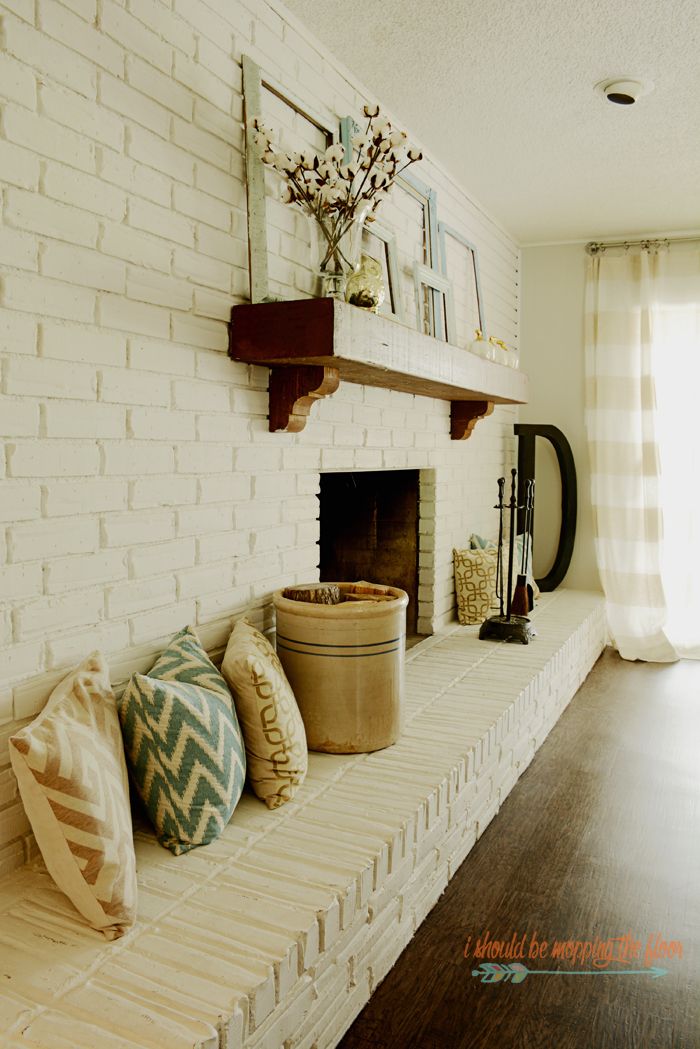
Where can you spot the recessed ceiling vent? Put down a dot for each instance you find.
(623, 91)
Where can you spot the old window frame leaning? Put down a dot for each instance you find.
(441, 286)
(386, 236)
(445, 231)
(427, 197)
(254, 80)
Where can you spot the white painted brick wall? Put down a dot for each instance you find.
(139, 487)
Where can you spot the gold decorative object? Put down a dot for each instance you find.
(504, 354)
(365, 288)
(483, 347)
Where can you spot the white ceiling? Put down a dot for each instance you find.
(501, 93)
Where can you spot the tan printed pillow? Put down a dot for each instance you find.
(273, 732)
(72, 777)
(475, 584)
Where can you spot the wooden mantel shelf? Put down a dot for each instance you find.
(311, 344)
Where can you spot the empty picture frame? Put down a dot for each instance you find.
(427, 198)
(386, 248)
(254, 81)
(440, 287)
(445, 232)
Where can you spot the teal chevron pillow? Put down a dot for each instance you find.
(183, 745)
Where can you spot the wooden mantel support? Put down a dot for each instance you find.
(293, 391)
(464, 416)
(311, 345)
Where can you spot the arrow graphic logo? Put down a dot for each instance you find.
(492, 972)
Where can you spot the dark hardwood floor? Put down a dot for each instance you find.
(600, 837)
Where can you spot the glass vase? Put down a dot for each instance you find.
(337, 251)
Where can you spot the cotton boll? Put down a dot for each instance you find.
(378, 179)
(329, 195)
(335, 154)
(328, 172)
(260, 140)
(360, 141)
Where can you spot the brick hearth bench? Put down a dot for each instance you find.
(276, 934)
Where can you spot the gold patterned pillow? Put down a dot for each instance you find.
(475, 584)
(72, 778)
(273, 732)
(479, 543)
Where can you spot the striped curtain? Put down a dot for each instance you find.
(676, 367)
(625, 462)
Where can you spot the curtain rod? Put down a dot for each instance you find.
(596, 247)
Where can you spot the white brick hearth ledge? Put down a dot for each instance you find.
(275, 935)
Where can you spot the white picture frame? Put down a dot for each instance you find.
(427, 198)
(254, 80)
(441, 287)
(445, 231)
(391, 259)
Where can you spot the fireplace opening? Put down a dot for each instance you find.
(369, 530)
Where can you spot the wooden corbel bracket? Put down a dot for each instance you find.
(464, 416)
(293, 391)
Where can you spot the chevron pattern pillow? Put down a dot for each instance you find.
(72, 778)
(183, 745)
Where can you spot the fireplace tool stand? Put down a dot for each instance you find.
(508, 627)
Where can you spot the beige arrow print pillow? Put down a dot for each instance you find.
(273, 731)
(72, 777)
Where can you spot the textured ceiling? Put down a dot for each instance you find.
(500, 92)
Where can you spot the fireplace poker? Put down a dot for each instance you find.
(522, 598)
(509, 627)
(528, 529)
(499, 555)
(511, 542)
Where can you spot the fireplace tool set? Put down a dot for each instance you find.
(512, 623)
